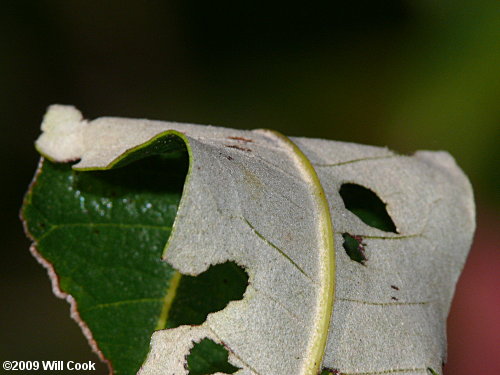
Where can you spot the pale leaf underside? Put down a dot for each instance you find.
(272, 205)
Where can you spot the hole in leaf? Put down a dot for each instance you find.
(327, 371)
(354, 247)
(155, 175)
(105, 232)
(366, 205)
(207, 357)
(210, 291)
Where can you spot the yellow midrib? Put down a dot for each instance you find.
(168, 299)
(321, 325)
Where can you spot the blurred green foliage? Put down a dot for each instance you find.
(407, 74)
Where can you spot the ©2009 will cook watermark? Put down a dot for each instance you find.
(48, 366)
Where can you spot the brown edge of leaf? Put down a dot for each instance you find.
(54, 278)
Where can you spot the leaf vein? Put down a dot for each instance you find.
(54, 227)
(385, 303)
(355, 161)
(390, 371)
(278, 249)
(119, 303)
(291, 313)
(232, 352)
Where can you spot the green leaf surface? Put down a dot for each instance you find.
(207, 357)
(104, 233)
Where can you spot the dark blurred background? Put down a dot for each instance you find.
(407, 74)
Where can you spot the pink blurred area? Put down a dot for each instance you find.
(474, 321)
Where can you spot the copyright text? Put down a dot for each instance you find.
(48, 366)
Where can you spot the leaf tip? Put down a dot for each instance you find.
(62, 133)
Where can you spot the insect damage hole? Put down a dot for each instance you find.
(208, 292)
(207, 357)
(354, 247)
(328, 371)
(366, 205)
